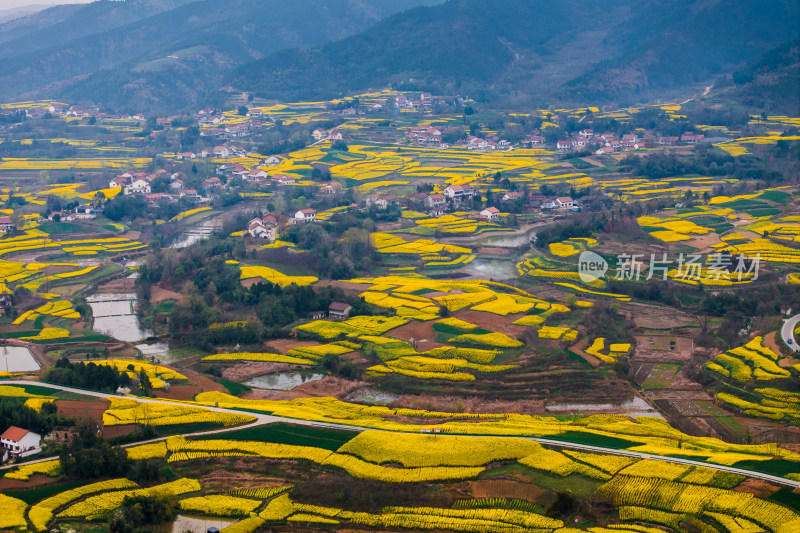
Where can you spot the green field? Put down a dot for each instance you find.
(280, 433)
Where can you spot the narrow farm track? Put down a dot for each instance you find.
(263, 419)
(787, 331)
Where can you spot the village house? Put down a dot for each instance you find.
(476, 143)
(586, 134)
(330, 188)
(258, 229)
(271, 161)
(491, 213)
(377, 201)
(257, 175)
(19, 442)
(88, 211)
(692, 138)
(304, 215)
(121, 180)
(221, 152)
(564, 202)
(457, 192)
(282, 179)
(435, 201)
(177, 185)
(62, 434)
(536, 140)
(563, 146)
(212, 183)
(239, 171)
(319, 134)
(140, 185)
(335, 135)
(339, 310)
(511, 196)
(60, 216)
(603, 150)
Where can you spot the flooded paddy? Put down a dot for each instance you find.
(282, 380)
(17, 359)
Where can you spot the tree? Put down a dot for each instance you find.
(242, 110)
(140, 513)
(18, 220)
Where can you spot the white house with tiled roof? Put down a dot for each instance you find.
(18, 442)
(305, 215)
(491, 213)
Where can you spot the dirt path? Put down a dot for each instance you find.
(475, 238)
(579, 349)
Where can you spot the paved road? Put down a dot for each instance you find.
(787, 331)
(262, 419)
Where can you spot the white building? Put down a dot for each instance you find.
(19, 442)
(138, 186)
(305, 215)
(564, 202)
(491, 213)
(459, 191)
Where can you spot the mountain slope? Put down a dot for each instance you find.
(454, 47)
(168, 59)
(63, 23)
(529, 49)
(771, 83)
(670, 44)
(13, 13)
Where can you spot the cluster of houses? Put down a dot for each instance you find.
(256, 175)
(88, 211)
(608, 143)
(321, 134)
(266, 226)
(425, 101)
(140, 184)
(431, 135)
(218, 152)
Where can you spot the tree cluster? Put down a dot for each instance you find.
(86, 376)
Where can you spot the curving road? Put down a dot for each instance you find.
(787, 332)
(262, 419)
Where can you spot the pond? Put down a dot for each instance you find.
(196, 234)
(634, 407)
(509, 241)
(159, 350)
(282, 380)
(197, 525)
(494, 270)
(17, 359)
(114, 316)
